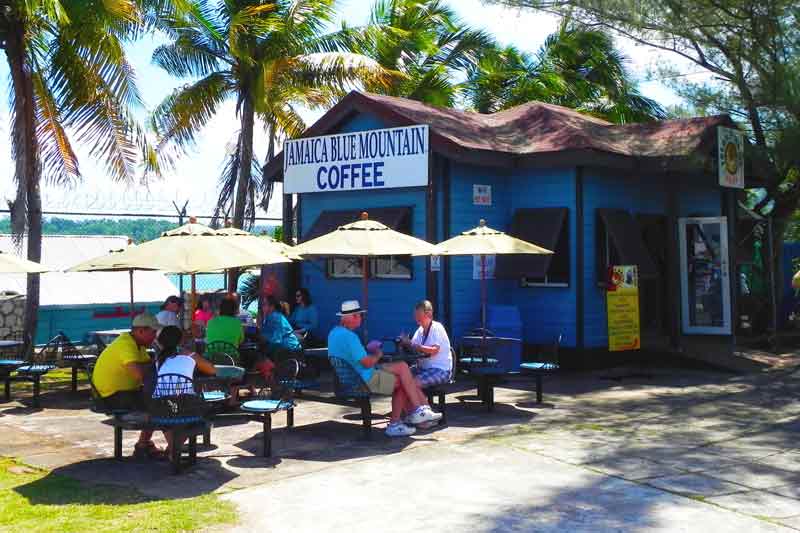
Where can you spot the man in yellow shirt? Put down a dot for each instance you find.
(121, 370)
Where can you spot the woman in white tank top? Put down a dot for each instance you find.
(170, 361)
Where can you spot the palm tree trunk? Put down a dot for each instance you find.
(245, 162)
(245, 175)
(26, 157)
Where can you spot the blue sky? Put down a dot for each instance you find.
(195, 177)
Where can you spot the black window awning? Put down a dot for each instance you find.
(397, 218)
(625, 235)
(540, 226)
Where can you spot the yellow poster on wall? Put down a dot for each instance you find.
(622, 303)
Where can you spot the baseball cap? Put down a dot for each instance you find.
(145, 320)
(374, 346)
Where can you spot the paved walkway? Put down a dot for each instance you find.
(624, 450)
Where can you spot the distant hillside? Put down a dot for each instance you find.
(140, 229)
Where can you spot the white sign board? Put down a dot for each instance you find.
(730, 155)
(436, 263)
(477, 265)
(481, 195)
(358, 161)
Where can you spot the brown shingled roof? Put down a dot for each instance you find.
(537, 134)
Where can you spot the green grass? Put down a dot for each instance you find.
(57, 379)
(36, 501)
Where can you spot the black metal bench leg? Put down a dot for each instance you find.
(207, 436)
(442, 409)
(193, 449)
(267, 448)
(430, 398)
(366, 418)
(7, 389)
(290, 418)
(489, 395)
(36, 387)
(483, 386)
(538, 388)
(175, 451)
(74, 379)
(117, 443)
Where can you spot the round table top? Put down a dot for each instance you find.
(8, 343)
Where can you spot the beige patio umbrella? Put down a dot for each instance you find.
(190, 249)
(106, 264)
(364, 238)
(259, 243)
(12, 264)
(484, 241)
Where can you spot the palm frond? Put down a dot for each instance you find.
(190, 55)
(180, 117)
(59, 162)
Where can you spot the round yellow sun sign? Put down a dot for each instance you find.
(730, 154)
(731, 158)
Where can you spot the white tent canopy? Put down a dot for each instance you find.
(85, 288)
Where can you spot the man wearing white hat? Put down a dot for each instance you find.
(393, 379)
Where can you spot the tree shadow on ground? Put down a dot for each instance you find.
(154, 479)
(49, 398)
(666, 452)
(328, 441)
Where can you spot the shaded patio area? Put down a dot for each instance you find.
(629, 448)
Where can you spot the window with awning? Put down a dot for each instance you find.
(546, 227)
(393, 267)
(619, 242)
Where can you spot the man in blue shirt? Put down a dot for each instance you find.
(386, 379)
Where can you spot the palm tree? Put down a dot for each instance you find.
(424, 40)
(268, 57)
(576, 68)
(70, 81)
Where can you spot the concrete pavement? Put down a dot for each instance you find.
(622, 450)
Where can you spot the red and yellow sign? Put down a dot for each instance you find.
(622, 303)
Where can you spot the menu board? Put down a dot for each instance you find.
(622, 304)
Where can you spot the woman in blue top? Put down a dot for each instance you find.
(304, 317)
(282, 343)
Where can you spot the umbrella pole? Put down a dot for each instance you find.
(365, 291)
(483, 295)
(130, 276)
(194, 297)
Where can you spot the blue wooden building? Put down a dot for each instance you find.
(597, 194)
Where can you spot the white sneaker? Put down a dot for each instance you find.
(424, 413)
(398, 429)
(428, 425)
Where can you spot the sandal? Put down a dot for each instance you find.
(148, 450)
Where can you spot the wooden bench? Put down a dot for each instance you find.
(189, 430)
(172, 410)
(481, 359)
(40, 363)
(547, 362)
(349, 390)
